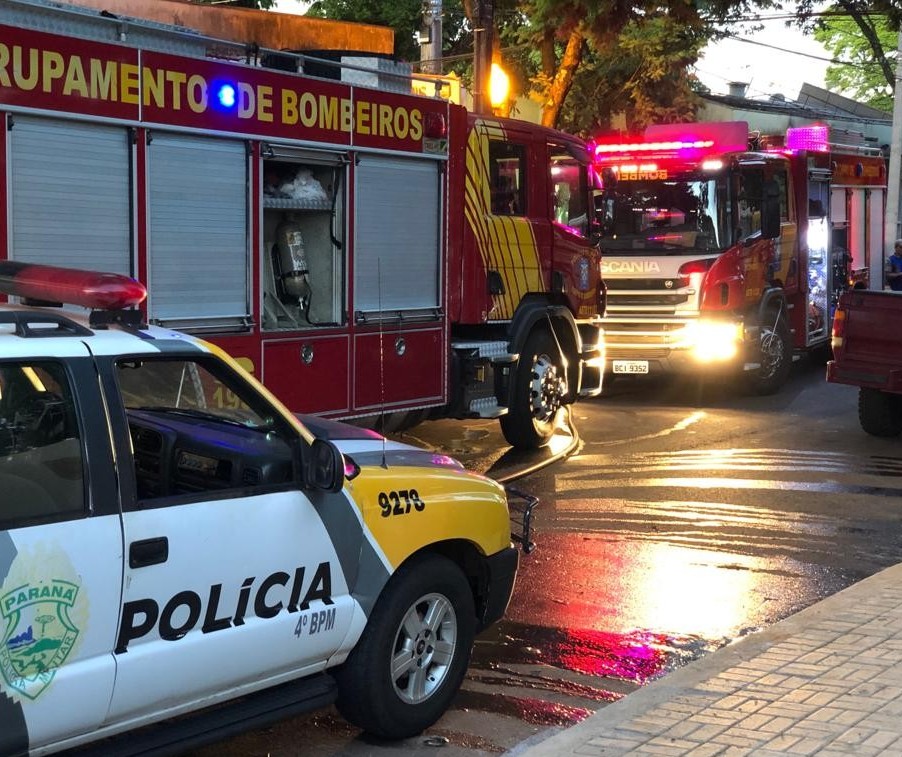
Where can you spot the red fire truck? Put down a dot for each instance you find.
(365, 251)
(725, 250)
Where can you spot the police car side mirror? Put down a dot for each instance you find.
(324, 467)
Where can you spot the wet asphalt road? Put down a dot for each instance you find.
(689, 516)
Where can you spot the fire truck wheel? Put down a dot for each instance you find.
(539, 389)
(775, 354)
(409, 663)
(879, 413)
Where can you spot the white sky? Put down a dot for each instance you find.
(765, 70)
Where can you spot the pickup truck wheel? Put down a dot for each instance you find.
(539, 389)
(774, 355)
(414, 652)
(879, 413)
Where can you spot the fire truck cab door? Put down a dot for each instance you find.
(513, 238)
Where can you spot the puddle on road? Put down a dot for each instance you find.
(528, 710)
(637, 656)
(571, 672)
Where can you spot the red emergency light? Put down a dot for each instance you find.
(654, 146)
(689, 141)
(814, 138)
(90, 289)
(434, 126)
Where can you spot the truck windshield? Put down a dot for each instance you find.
(669, 216)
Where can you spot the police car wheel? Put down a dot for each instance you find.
(408, 666)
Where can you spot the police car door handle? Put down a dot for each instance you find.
(148, 552)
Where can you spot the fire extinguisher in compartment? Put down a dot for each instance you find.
(292, 260)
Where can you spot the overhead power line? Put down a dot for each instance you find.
(834, 61)
(757, 18)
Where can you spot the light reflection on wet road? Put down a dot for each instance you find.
(675, 530)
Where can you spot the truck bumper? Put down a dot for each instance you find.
(591, 360)
(864, 375)
(724, 348)
(501, 572)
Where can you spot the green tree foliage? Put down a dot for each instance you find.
(635, 59)
(405, 17)
(869, 16)
(641, 77)
(860, 73)
(584, 60)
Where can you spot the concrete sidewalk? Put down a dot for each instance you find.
(826, 681)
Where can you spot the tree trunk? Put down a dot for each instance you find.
(563, 79)
(549, 59)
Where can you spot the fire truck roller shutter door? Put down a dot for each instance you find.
(70, 181)
(197, 228)
(398, 235)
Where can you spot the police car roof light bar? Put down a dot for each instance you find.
(90, 289)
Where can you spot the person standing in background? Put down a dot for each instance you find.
(894, 268)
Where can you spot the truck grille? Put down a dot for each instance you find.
(643, 300)
(644, 337)
(647, 295)
(645, 318)
(625, 353)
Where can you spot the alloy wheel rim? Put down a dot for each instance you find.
(547, 389)
(424, 648)
(771, 353)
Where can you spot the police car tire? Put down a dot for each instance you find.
(367, 696)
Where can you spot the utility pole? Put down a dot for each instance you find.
(431, 38)
(482, 54)
(894, 175)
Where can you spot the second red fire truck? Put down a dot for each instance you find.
(364, 251)
(725, 250)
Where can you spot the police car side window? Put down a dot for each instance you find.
(196, 430)
(41, 463)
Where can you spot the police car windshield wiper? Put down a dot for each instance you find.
(202, 415)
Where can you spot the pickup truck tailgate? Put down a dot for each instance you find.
(867, 340)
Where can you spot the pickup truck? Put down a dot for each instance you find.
(867, 353)
(182, 558)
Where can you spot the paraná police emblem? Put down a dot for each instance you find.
(39, 633)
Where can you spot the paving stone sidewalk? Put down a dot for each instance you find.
(826, 681)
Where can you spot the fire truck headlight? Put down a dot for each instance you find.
(714, 341)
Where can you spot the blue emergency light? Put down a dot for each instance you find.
(226, 95)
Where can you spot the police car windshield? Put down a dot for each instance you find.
(663, 216)
(196, 388)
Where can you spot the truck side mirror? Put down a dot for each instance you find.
(770, 210)
(596, 232)
(324, 468)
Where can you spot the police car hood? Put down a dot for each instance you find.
(366, 447)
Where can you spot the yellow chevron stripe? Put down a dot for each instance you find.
(506, 244)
